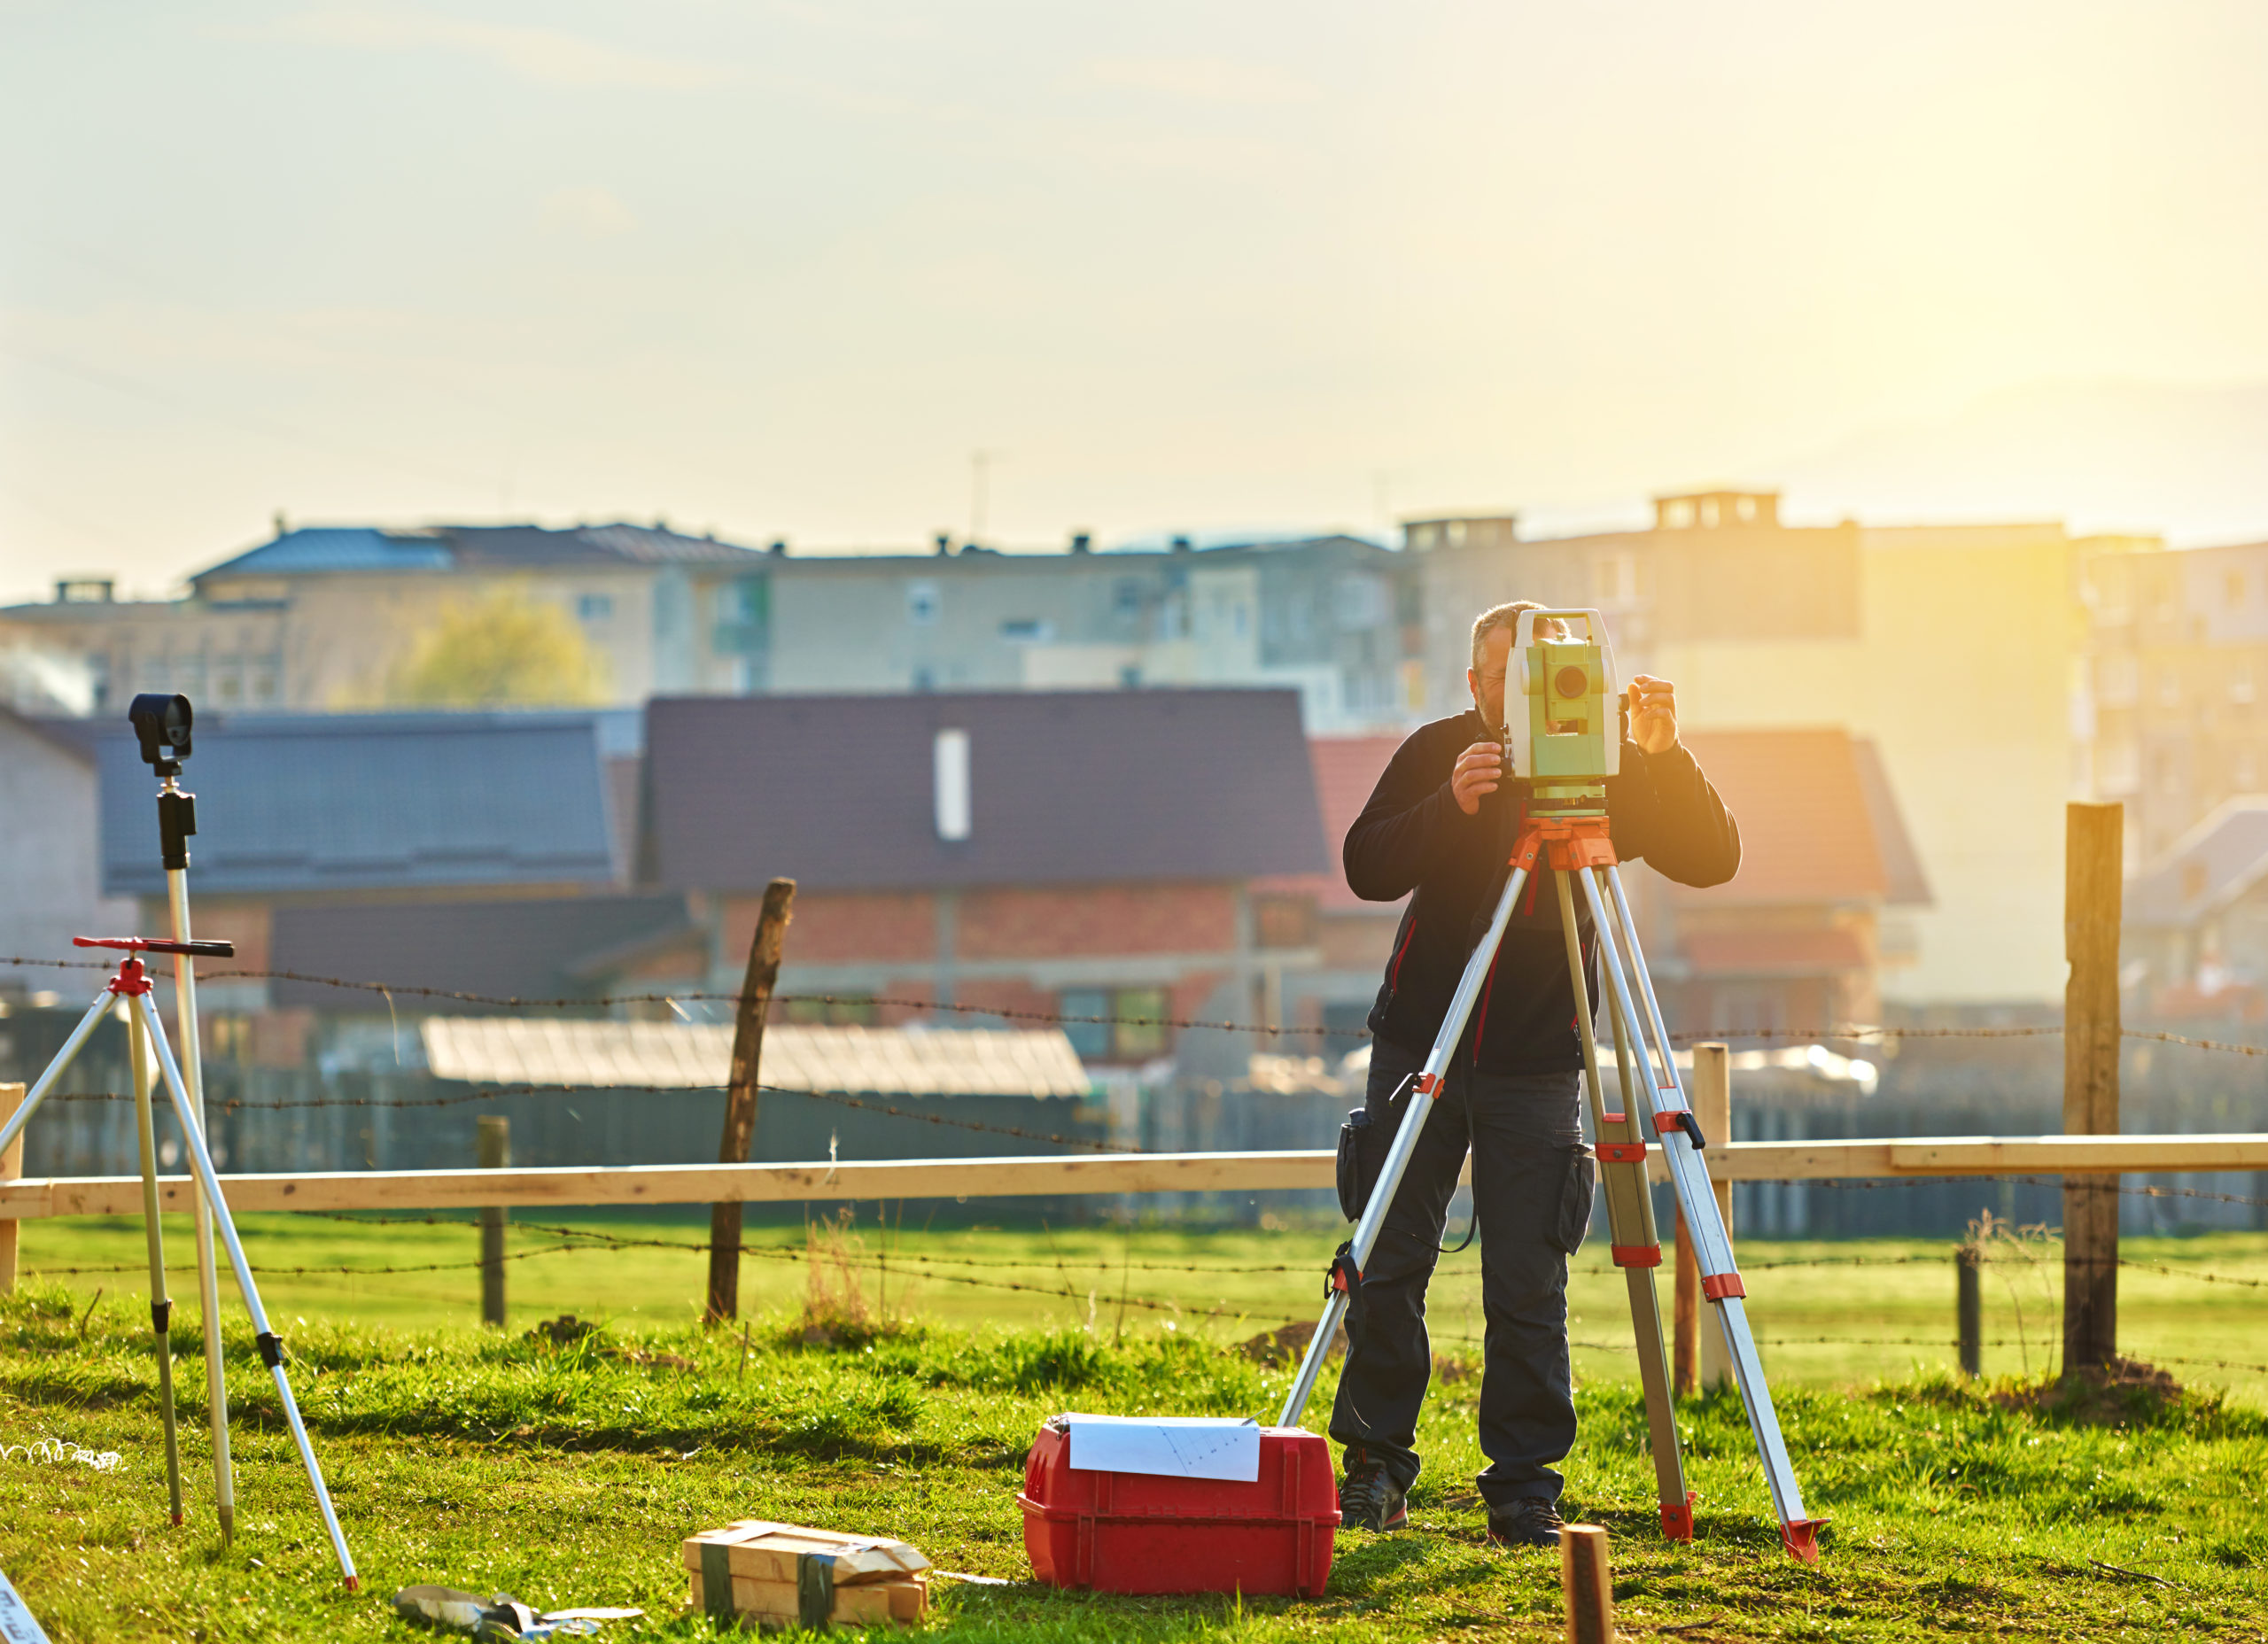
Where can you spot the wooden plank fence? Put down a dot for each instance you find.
(1876, 1158)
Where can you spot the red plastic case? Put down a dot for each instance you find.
(1135, 1532)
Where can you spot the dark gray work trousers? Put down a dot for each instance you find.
(1532, 1188)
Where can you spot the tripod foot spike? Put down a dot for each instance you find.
(176, 1518)
(1800, 1537)
(1677, 1518)
(353, 1583)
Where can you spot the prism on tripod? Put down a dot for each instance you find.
(131, 987)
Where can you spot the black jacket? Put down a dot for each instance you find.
(1412, 836)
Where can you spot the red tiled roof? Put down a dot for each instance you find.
(1346, 768)
(1727, 953)
(1807, 830)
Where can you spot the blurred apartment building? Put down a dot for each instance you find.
(2171, 699)
(1952, 650)
(319, 618)
(1975, 662)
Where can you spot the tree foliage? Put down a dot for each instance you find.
(503, 650)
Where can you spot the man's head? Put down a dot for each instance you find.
(1493, 633)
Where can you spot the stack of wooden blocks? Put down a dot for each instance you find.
(790, 1575)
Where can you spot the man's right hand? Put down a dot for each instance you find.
(1478, 769)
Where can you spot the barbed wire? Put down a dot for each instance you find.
(1849, 1031)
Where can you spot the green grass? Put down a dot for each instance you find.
(570, 1473)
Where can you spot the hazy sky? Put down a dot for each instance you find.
(780, 269)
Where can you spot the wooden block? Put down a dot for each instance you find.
(863, 1580)
(1587, 1584)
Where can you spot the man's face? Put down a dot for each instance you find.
(1487, 681)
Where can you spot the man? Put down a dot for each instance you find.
(1442, 823)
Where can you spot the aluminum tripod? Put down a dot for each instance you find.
(131, 987)
(1576, 848)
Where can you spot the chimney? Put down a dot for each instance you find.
(282, 525)
(1081, 542)
(944, 542)
(1181, 545)
(950, 770)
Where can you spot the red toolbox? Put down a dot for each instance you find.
(1144, 1532)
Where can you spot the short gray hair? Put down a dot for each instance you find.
(1505, 616)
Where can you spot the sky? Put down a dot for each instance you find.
(783, 269)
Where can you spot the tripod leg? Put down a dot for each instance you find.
(271, 1345)
(1720, 1280)
(208, 1272)
(161, 1305)
(1405, 1143)
(64, 1057)
(1636, 1244)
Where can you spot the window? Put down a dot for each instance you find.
(593, 607)
(1027, 631)
(922, 603)
(1132, 1029)
(1360, 600)
(1090, 1039)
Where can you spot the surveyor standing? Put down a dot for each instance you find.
(1443, 822)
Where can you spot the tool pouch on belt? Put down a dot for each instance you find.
(1362, 1155)
(1576, 1193)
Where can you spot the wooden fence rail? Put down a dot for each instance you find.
(1878, 1159)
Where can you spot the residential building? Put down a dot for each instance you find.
(2195, 937)
(1090, 854)
(1795, 941)
(2173, 689)
(1954, 649)
(319, 619)
(49, 888)
(1352, 938)
(322, 812)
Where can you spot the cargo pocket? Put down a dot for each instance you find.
(1354, 1186)
(1575, 1196)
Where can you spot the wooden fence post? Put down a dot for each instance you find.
(764, 952)
(495, 1154)
(1713, 1111)
(1969, 1307)
(2092, 888)
(12, 1167)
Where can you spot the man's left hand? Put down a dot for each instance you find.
(1653, 713)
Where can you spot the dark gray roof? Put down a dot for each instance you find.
(836, 792)
(2210, 866)
(366, 802)
(518, 948)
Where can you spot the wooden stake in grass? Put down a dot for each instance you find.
(12, 1167)
(495, 1153)
(1587, 1584)
(2092, 889)
(740, 1101)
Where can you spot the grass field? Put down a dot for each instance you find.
(569, 1474)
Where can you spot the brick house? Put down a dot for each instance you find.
(1090, 853)
(1795, 941)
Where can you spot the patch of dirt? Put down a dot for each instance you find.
(567, 1330)
(564, 1329)
(2122, 1392)
(1277, 1347)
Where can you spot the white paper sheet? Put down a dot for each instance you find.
(1176, 1447)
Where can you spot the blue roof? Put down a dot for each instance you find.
(336, 547)
(370, 802)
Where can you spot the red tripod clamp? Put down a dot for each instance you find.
(200, 950)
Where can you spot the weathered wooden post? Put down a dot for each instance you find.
(2092, 888)
(764, 952)
(1587, 1584)
(1695, 1347)
(495, 1154)
(1969, 1307)
(12, 1166)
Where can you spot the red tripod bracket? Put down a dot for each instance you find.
(1636, 1255)
(1800, 1537)
(1430, 1084)
(1682, 1119)
(131, 978)
(1717, 1286)
(1677, 1521)
(1621, 1152)
(1571, 842)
